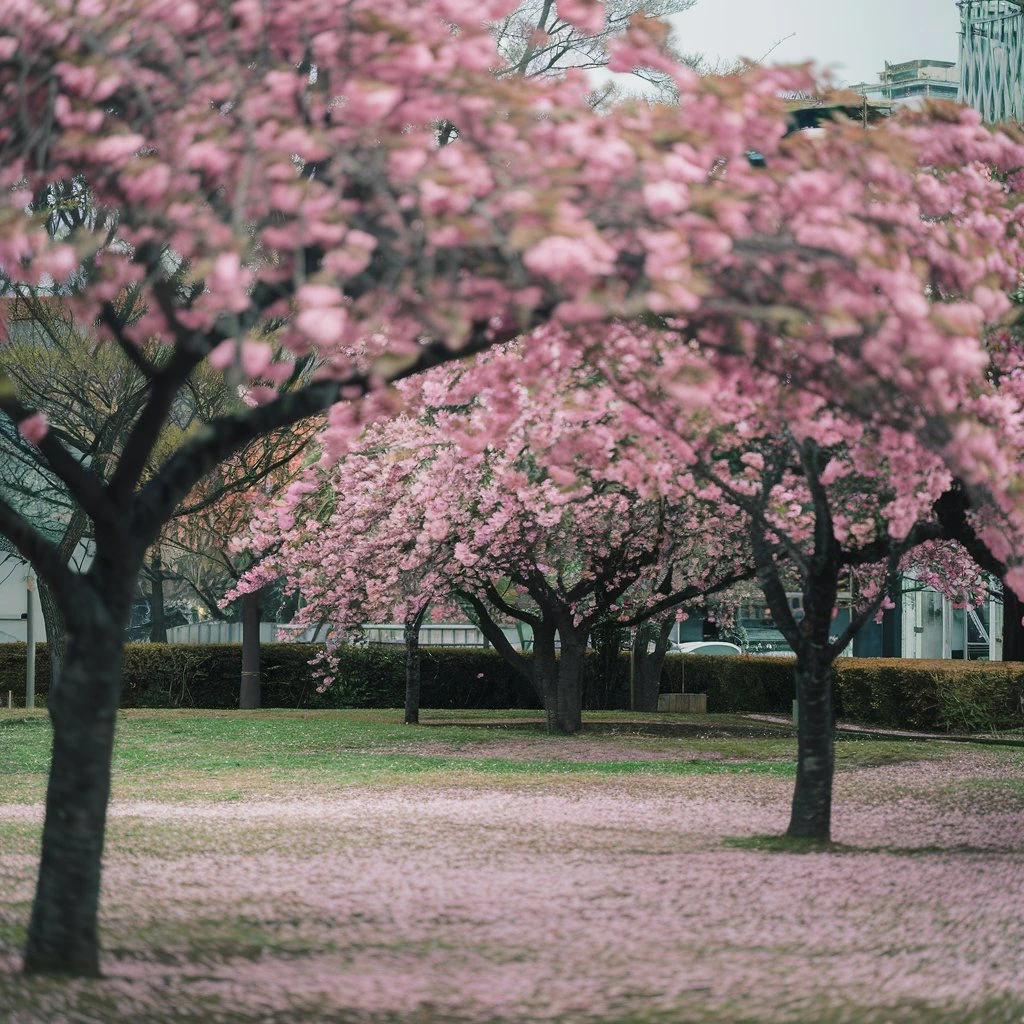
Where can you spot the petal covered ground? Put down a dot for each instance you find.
(570, 899)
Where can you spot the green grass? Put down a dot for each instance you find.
(225, 755)
(197, 757)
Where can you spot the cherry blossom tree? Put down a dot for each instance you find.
(822, 496)
(510, 499)
(254, 163)
(250, 162)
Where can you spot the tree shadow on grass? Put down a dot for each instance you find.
(792, 844)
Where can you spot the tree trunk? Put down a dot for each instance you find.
(157, 611)
(544, 672)
(412, 667)
(56, 636)
(82, 704)
(568, 691)
(811, 815)
(53, 619)
(249, 695)
(607, 638)
(646, 667)
(1013, 628)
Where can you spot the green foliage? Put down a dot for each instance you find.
(12, 673)
(943, 696)
(450, 677)
(947, 696)
(738, 683)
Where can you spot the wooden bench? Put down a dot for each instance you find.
(683, 703)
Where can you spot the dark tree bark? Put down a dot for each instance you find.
(564, 703)
(157, 611)
(811, 814)
(53, 624)
(543, 671)
(412, 666)
(53, 618)
(557, 681)
(646, 666)
(1013, 629)
(83, 709)
(249, 694)
(82, 705)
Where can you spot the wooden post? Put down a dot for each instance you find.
(30, 642)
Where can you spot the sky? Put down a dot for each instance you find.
(852, 39)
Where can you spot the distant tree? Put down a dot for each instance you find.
(509, 504)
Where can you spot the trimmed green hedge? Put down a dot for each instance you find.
(944, 696)
(740, 683)
(950, 696)
(902, 693)
(207, 675)
(12, 673)
(179, 675)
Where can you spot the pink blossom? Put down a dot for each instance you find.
(323, 325)
(586, 15)
(118, 149)
(569, 261)
(33, 428)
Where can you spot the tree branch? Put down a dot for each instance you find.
(689, 593)
(84, 485)
(224, 436)
(45, 558)
(496, 635)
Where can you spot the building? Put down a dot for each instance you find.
(913, 81)
(19, 598)
(992, 58)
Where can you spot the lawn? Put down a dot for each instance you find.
(309, 867)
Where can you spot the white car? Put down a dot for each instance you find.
(705, 647)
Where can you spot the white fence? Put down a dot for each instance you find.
(432, 635)
(217, 632)
(443, 635)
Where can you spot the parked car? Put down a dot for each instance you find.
(705, 647)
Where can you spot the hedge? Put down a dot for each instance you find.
(741, 683)
(207, 675)
(942, 696)
(901, 693)
(950, 696)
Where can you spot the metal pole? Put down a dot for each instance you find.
(30, 642)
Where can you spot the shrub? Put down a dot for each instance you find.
(947, 696)
(12, 673)
(740, 683)
(951, 696)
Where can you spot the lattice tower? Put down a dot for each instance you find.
(992, 58)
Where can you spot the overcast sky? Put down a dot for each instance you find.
(852, 38)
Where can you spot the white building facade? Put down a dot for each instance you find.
(932, 626)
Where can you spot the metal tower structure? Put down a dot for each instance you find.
(992, 58)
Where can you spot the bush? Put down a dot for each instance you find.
(208, 675)
(944, 696)
(450, 677)
(950, 696)
(740, 683)
(12, 673)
